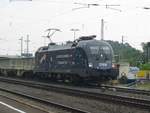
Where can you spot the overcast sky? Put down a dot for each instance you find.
(34, 17)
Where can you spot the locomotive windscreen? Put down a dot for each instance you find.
(102, 52)
(94, 49)
(99, 53)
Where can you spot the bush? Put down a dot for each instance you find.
(145, 66)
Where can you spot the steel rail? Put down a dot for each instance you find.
(22, 102)
(47, 102)
(124, 100)
(127, 90)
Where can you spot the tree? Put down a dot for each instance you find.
(126, 53)
(146, 51)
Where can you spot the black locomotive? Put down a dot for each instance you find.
(84, 59)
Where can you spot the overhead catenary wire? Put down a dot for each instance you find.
(88, 5)
(56, 2)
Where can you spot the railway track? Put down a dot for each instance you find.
(127, 90)
(124, 100)
(24, 103)
(51, 103)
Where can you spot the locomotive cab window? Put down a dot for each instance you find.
(106, 49)
(101, 52)
(94, 49)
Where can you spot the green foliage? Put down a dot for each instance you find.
(146, 51)
(126, 53)
(145, 66)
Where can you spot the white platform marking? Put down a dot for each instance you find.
(11, 107)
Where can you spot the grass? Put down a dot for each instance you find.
(144, 85)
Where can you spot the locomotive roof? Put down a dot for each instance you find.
(55, 47)
(93, 42)
(81, 43)
(60, 47)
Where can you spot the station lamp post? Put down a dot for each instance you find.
(74, 32)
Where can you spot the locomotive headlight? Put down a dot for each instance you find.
(90, 65)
